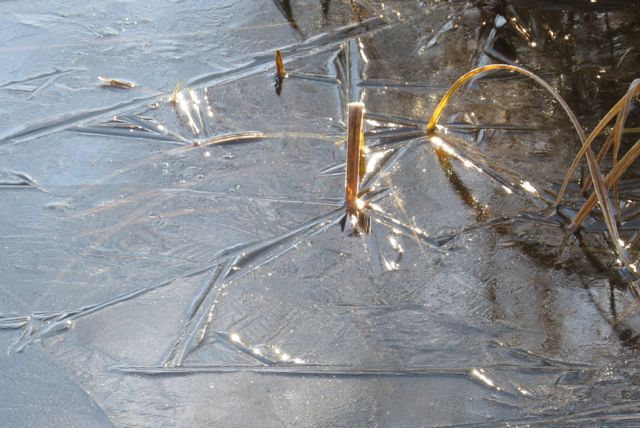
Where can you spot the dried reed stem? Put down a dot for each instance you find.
(500, 67)
(621, 105)
(280, 70)
(612, 177)
(355, 152)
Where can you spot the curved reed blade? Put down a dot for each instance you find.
(501, 67)
(600, 185)
(618, 129)
(587, 145)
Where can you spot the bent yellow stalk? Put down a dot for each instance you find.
(594, 170)
(500, 67)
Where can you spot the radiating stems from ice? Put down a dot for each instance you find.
(435, 117)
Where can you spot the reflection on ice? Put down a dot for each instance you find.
(481, 375)
(528, 187)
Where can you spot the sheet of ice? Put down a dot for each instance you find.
(170, 253)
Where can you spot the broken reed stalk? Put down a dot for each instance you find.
(280, 70)
(601, 187)
(355, 153)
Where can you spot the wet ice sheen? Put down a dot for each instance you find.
(175, 257)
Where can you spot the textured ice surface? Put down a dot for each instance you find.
(170, 253)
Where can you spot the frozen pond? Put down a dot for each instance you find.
(170, 250)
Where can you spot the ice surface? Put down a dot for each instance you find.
(171, 254)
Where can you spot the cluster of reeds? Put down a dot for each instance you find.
(355, 169)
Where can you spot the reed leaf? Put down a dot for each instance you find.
(615, 136)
